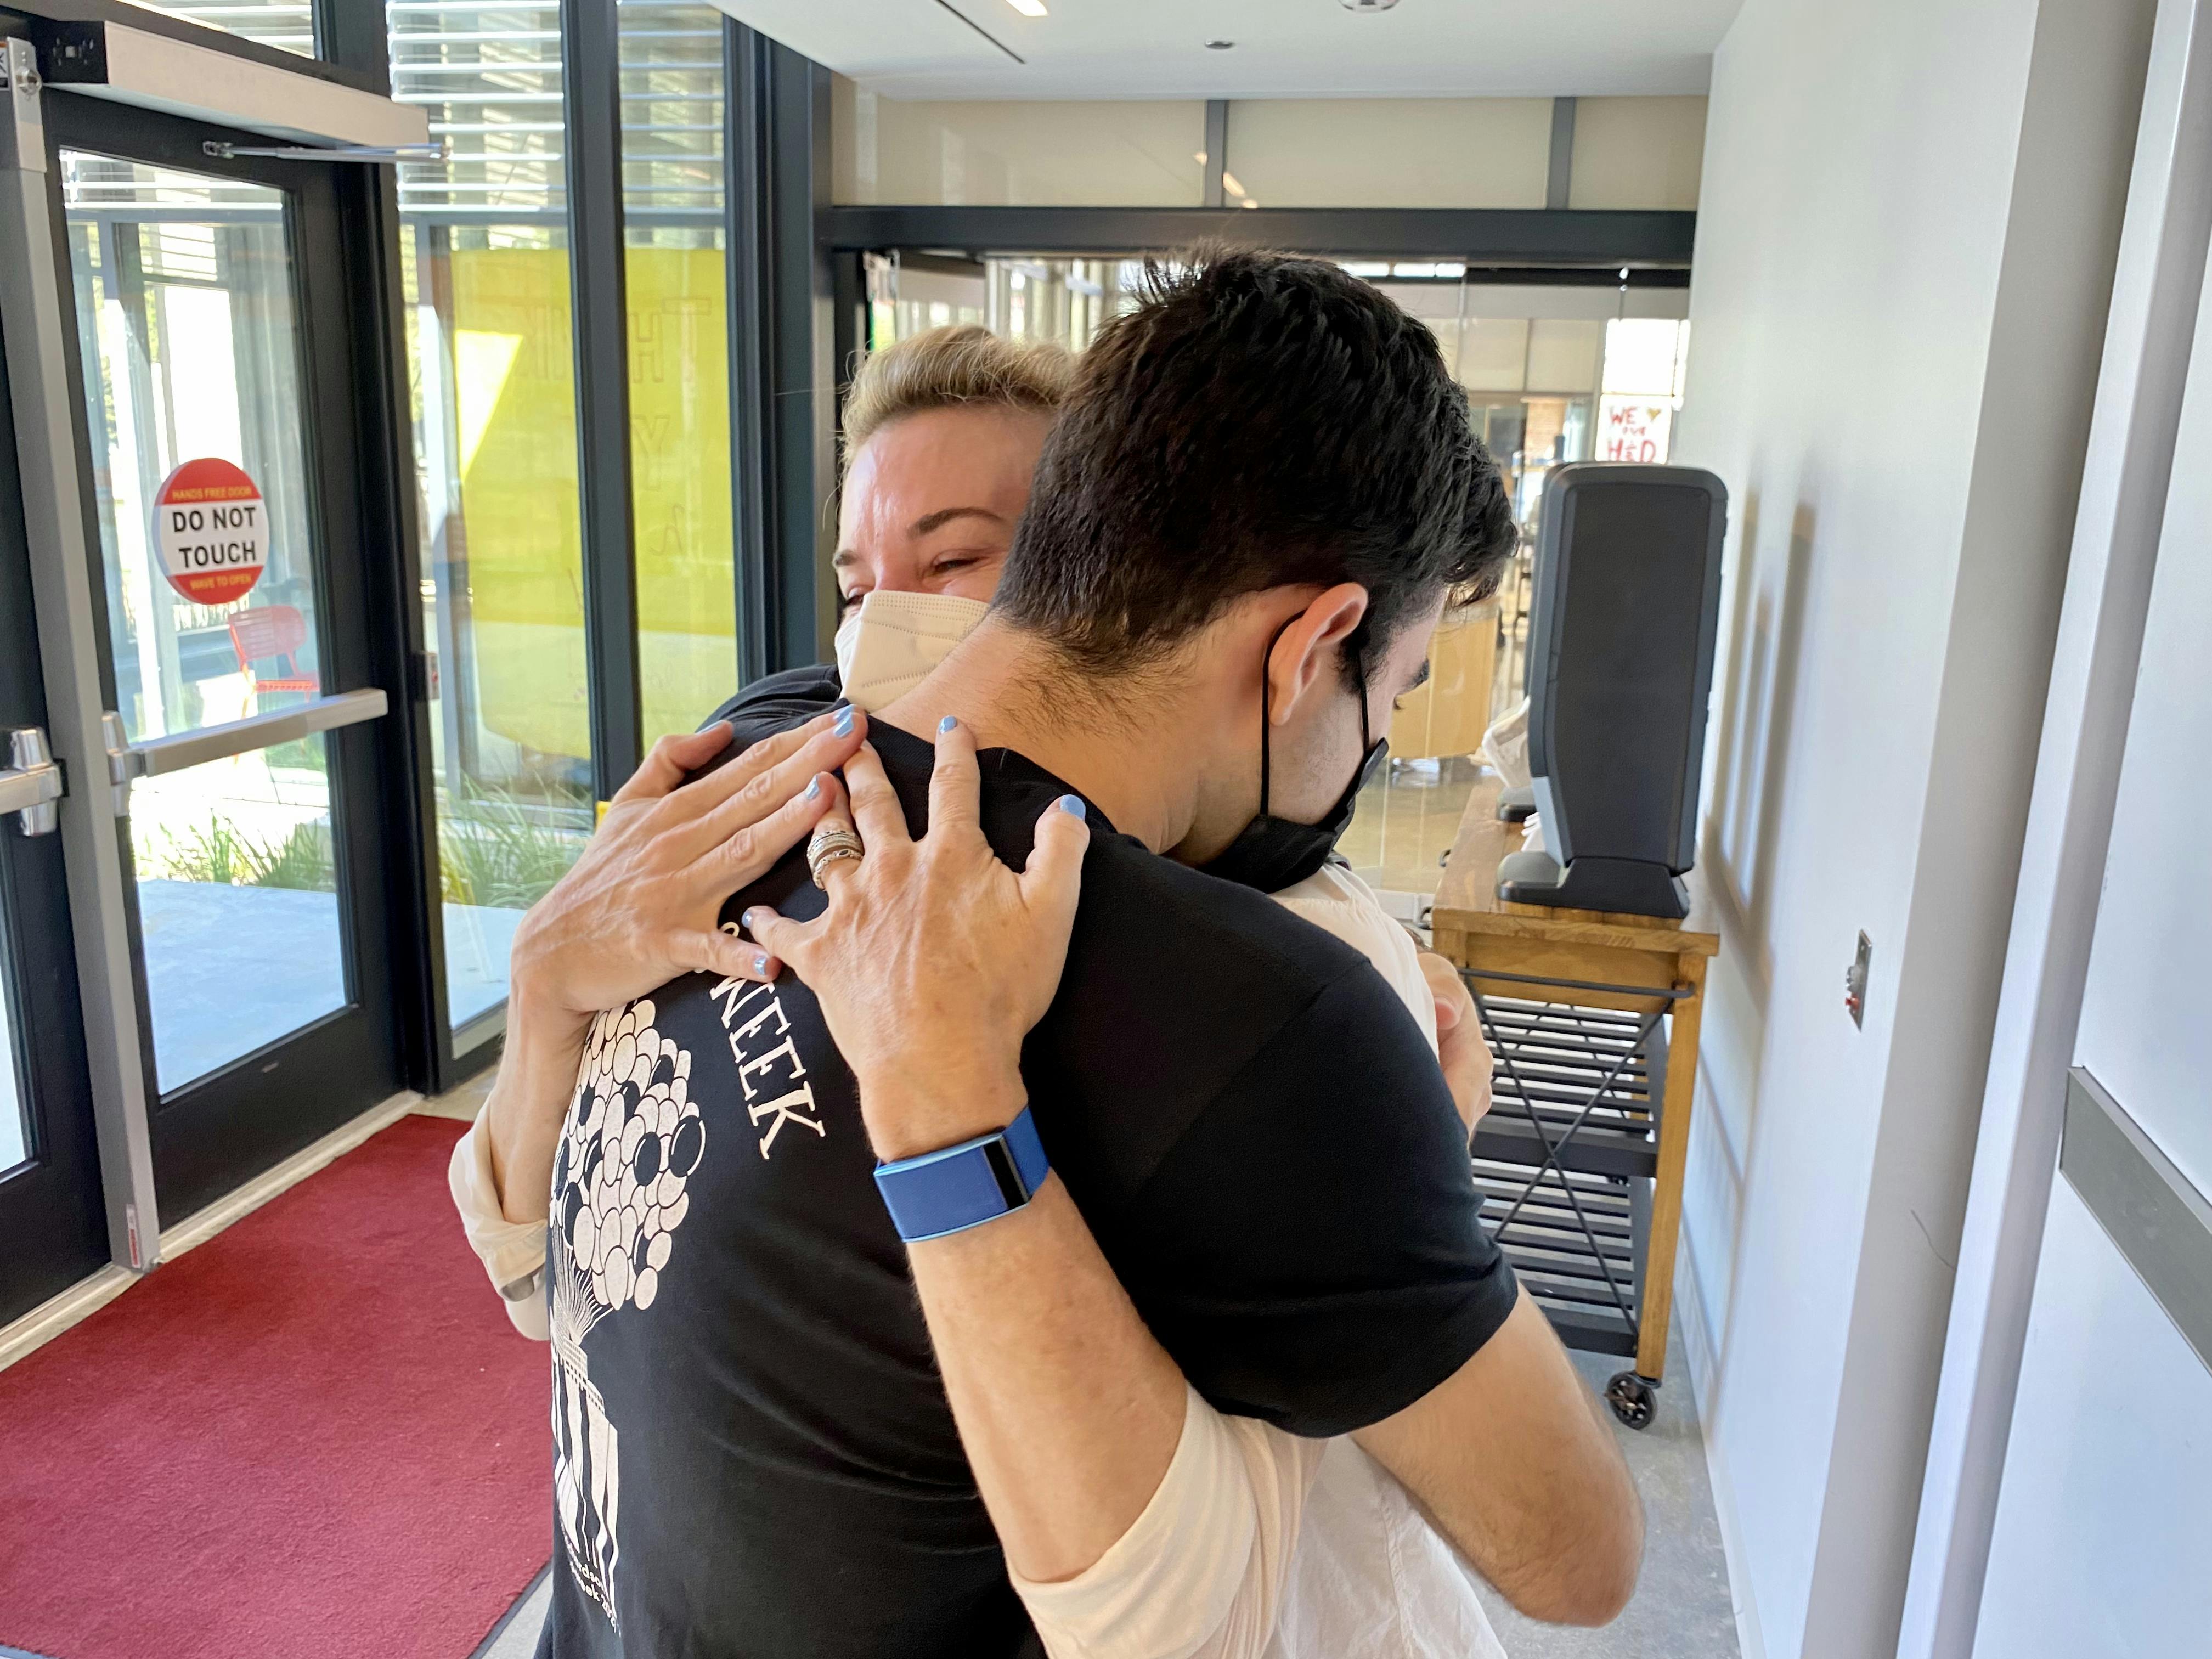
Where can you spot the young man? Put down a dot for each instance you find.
(1243, 530)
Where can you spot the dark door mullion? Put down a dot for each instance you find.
(590, 51)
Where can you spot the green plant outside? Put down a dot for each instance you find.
(492, 852)
(223, 853)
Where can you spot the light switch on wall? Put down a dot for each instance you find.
(1855, 982)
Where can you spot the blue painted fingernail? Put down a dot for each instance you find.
(843, 728)
(814, 789)
(1071, 805)
(746, 919)
(760, 964)
(947, 724)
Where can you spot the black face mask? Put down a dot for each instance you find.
(1272, 853)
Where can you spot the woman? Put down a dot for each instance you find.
(943, 433)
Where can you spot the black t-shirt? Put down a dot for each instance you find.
(754, 1455)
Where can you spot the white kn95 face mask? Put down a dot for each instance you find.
(892, 640)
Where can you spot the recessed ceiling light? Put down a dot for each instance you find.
(1368, 5)
(1219, 46)
(1035, 8)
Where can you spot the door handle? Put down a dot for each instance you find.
(31, 783)
(158, 756)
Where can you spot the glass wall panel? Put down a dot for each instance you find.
(15, 1113)
(1023, 297)
(238, 905)
(676, 267)
(192, 373)
(1554, 371)
(289, 25)
(1646, 360)
(484, 256)
(190, 353)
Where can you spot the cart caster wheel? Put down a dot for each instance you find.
(1634, 1401)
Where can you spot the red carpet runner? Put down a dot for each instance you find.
(316, 1434)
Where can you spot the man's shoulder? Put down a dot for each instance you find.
(1200, 919)
(1186, 995)
(774, 701)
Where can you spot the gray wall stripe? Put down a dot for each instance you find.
(2162, 1225)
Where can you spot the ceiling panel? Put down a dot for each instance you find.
(1282, 48)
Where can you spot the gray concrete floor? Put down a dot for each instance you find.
(518, 1637)
(1682, 1609)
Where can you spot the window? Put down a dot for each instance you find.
(676, 272)
(287, 24)
(484, 252)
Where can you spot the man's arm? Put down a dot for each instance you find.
(1315, 1257)
(1511, 1460)
(1088, 1449)
(1068, 1411)
(530, 1093)
(1136, 1520)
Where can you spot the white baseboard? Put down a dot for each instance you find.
(199, 1228)
(56, 1314)
(1704, 1367)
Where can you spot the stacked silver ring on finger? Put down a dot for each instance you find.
(828, 845)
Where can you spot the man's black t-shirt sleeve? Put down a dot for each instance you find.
(1311, 1249)
(776, 700)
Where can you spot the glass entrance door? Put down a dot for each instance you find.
(225, 467)
(50, 1212)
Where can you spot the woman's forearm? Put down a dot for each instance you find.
(1069, 1408)
(529, 1098)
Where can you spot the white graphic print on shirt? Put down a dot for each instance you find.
(769, 1099)
(632, 1140)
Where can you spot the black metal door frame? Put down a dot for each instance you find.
(50, 1211)
(214, 1134)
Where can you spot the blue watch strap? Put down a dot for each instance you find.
(961, 1187)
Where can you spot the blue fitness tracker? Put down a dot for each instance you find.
(964, 1186)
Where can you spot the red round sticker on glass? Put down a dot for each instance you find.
(213, 531)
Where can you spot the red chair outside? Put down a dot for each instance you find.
(271, 633)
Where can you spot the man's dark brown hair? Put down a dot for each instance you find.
(1257, 421)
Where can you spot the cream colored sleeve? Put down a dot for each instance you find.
(512, 1252)
(1199, 1574)
(1337, 902)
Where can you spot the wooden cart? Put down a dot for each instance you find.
(1592, 1018)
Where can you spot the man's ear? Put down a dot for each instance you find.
(1309, 651)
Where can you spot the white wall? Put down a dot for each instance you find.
(2099, 1545)
(1908, 217)
(2100, 1542)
